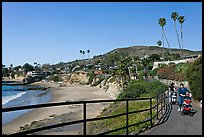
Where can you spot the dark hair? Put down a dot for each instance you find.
(182, 84)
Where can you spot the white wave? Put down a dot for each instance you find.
(6, 99)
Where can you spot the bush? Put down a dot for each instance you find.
(29, 79)
(171, 72)
(133, 91)
(101, 78)
(91, 76)
(194, 76)
(55, 78)
(143, 88)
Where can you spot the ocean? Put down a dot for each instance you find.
(13, 96)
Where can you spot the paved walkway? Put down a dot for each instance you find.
(177, 124)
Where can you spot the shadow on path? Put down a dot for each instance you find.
(163, 119)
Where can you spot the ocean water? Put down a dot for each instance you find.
(20, 96)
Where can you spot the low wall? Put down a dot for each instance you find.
(176, 83)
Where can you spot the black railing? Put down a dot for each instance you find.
(160, 99)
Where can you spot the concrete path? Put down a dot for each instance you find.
(177, 124)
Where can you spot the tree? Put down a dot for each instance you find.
(11, 66)
(162, 23)
(81, 52)
(181, 21)
(136, 61)
(174, 16)
(88, 51)
(155, 57)
(194, 76)
(27, 67)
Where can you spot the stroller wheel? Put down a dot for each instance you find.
(182, 113)
(191, 114)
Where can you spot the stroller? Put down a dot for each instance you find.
(187, 106)
(174, 98)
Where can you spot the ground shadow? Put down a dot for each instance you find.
(163, 119)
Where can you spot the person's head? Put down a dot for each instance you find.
(182, 85)
(172, 84)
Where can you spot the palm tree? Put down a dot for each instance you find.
(11, 67)
(136, 60)
(35, 63)
(174, 16)
(81, 51)
(159, 43)
(162, 22)
(88, 51)
(181, 21)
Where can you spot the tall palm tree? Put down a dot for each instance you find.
(174, 16)
(88, 51)
(162, 23)
(181, 21)
(81, 52)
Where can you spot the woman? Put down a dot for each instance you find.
(181, 93)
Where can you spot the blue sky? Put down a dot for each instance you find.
(55, 32)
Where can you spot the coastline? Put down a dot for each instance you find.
(73, 112)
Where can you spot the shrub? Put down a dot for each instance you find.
(101, 78)
(133, 91)
(194, 76)
(55, 78)
(143, 88)
(91, 76)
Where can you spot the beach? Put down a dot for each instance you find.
(72, 112)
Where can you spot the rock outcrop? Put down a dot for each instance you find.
(78, 77)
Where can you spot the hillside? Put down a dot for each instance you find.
(115, 55)
(142, 50)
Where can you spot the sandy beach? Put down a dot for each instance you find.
(73, 112)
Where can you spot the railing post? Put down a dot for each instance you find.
(126, 117)
(164, 98)
(161, 104)
(157, 108)
(151, 112)
(84, 114)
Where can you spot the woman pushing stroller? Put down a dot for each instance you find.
(182, 91)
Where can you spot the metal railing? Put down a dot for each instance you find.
(160, 100)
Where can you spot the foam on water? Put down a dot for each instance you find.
(6, 99)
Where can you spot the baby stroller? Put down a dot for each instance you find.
(187, 106)
(174, 98)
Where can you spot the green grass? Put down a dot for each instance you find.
(101, 126)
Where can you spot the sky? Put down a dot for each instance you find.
(54, 32)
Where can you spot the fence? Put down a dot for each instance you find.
(160, 107)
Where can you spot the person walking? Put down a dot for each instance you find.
(172, 89)
(181, 94)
